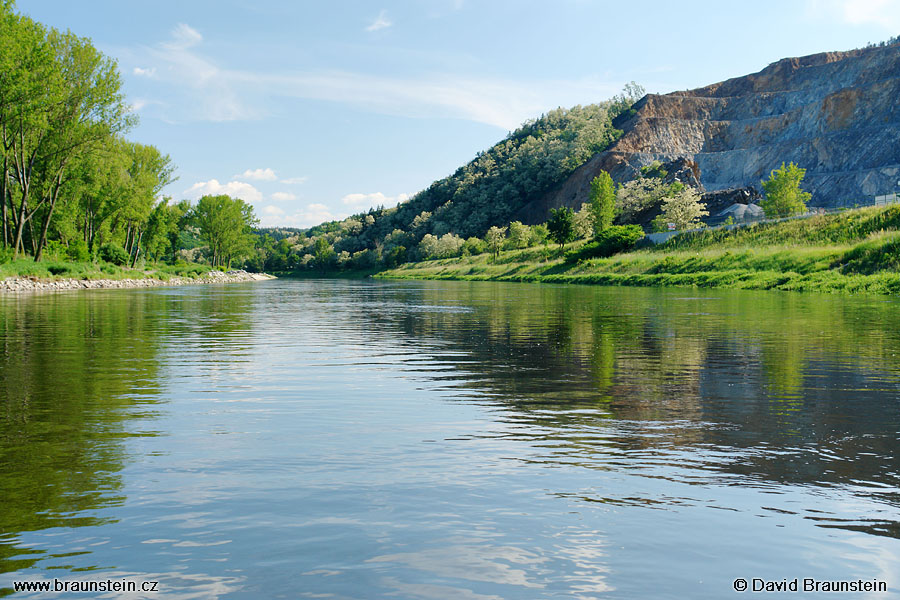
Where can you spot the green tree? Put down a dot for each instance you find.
(539, 235)
(225, 224)
(494, 239)
(561, 225)
(60, 99)
(93, 109)
(162, 229)
(784, 198)
(473, 245)
(519, 234)
(603, 202)
(148, 173)
(583, 226)
(323, 253)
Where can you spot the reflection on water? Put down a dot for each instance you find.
(68, 385)
(449, 439)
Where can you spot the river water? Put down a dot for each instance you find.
(425, 440)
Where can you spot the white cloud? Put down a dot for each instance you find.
(272, 211)
(365, 201)
(505, 104)
(380, 22)
(294, 180)
(144, 72)
(211, 94)
(312, 214)
(884, 13)
(320, 209)
(139, 104)
(214, 93)
(184, 36)
(235, 189)
(258, 175)
(316, 213)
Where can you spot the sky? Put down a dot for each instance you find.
(313, 111)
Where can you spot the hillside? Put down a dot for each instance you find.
(528, 163)
(833, 114)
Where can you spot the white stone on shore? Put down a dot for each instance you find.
(33, 284)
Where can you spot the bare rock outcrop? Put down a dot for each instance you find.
(834, 114)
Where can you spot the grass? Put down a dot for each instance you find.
(58, 269)
(823, 230)
(856, 251)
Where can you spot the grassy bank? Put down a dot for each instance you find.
(857, 251)
(57, 270)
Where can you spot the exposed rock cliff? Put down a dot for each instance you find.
(835, 114)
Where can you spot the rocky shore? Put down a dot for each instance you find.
(33, 284)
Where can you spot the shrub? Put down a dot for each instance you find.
(54, 250)
(784, 197)
(612, 240)
(474, 245)
(78, 251)
(56, 269)
(113, 253)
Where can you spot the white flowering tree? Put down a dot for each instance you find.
(683, 208)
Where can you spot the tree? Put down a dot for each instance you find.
(494, 239)
(60, 99)
(519, 234)
(93, 109)
(639, 195)
(28, 73)
(428, 247)
(149, 172)
(473, 245)
(582, 225)
(784, 198)
(684, 209)
(163, 225)
(603, 202)
(225, 224)
(561, 225)
(539, 235)
(323, 253)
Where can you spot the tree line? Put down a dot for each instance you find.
(71, 185)
(610, 221)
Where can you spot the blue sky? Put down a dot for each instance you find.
(316, 110)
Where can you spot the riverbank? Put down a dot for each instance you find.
(857, 251)
(36, 284)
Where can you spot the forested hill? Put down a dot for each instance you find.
(491, 188)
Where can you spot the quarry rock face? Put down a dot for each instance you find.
(836, 114)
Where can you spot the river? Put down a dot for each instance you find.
(425, 440)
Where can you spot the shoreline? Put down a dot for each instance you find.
(851, 252)
(14, 285)
(880, 284)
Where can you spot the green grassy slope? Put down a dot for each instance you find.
(855, 251)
